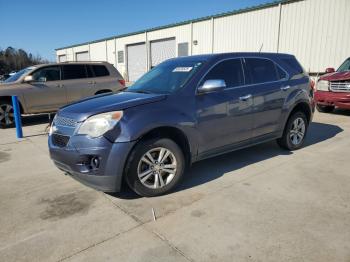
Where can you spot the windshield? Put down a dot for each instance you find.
(16, 76)
(166, 78)
(345, 66)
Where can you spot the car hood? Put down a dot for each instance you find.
(4, 85)
(336, 76)
(107, 102)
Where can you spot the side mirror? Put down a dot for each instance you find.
(210, 86)
(42, 79)
(330, 70)
(28, 79)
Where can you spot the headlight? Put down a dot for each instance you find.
(322, 85)
(53, 128)
(98, 125)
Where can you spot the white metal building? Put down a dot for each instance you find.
(317, 32)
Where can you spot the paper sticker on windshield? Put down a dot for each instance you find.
(183, 69)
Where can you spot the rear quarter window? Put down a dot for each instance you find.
(294, 65)
(260, 70)
(100, 70)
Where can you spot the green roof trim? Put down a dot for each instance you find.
(234, 12)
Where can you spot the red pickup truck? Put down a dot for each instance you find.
(333, 89)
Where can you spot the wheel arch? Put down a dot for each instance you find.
(9, 99)
(103, 91)
(302, 107)
(173, 133)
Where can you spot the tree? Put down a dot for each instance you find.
(12, 59)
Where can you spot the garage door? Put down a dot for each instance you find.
(82, 56)
(162, 50)
(137, 61)
(62, 58)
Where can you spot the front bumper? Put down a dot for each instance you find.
(74, 159)
(339, 99)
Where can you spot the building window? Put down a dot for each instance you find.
(120, 57)
(182, 49)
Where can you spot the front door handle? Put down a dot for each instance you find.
(245, 98)
(285, 88)
(91, 82)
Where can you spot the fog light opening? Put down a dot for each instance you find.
(95, 162)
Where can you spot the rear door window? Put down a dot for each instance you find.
(100, 70)
(74, 72)
(260, 70)
(229, 70)
(46, 74)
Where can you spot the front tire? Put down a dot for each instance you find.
(324, 109)
(155, 167)
(294, 132)
(6, 114)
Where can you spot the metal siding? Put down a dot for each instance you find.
(98, 51)
(70, 54)
(202, 34)
(162, 50)
(111, 52)
(317, 32)
(247, 31)
(137, 61)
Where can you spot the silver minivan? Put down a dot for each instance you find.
(47, 87)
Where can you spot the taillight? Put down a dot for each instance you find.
(121, 81)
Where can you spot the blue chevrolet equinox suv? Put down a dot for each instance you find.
(184, 110)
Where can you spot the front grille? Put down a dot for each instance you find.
(60, 140)
(340, 86)
(64, 121)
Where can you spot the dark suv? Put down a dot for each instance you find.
(184, 110)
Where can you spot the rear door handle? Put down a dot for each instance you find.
(91, 82)
(285, 88)
(245, 98)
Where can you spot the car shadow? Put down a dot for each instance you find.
(31, 120)
(342, 112)
(213, 168)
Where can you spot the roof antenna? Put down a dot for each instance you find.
(261, 47)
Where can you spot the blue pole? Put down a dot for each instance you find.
(17, 116)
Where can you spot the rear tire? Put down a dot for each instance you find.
(6, 114)
(155, 167)
(294, 132)
(324, 109)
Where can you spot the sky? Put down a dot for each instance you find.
(40, 26)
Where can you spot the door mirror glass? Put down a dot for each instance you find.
(212, 86)
(28, 79)
(330, 70)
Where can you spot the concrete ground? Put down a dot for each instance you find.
(256, 204)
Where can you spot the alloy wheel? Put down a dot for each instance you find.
(157, 168)
(6, 114)
(297, 131)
